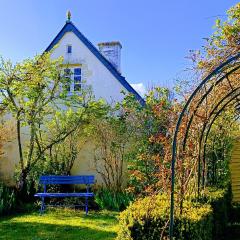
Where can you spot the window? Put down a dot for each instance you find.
(73, 79)
(69, 48)
(77, 79)
(67, 75)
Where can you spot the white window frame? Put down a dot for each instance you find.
(72, 84)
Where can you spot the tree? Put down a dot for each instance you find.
(112, 138)
(152, 127)
(45, 114)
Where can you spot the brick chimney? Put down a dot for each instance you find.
(112, 52)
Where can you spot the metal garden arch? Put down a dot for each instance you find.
(221, 75)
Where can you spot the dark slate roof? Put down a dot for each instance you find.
(70, 27)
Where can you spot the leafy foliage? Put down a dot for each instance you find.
(224, 43)
(112, 200)
(147, 219)
(152, 124)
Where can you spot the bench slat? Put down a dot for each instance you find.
(86, 179)
(64, 195)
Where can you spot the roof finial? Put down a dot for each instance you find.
(69, 16)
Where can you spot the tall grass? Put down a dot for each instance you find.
(8, 199)
(111, 200)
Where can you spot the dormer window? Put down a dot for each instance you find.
(69, 48)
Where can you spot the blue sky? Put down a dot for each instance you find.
(156, 35)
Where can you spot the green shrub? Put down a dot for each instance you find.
(220, 201)
(8, 199)
(147, 219)
(111, 200)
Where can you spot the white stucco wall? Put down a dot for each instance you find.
(102, 81)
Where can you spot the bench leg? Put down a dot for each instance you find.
(42, 206)
(86, 206)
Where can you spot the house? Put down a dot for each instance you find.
(85, 65)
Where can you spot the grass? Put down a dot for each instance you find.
(60, 224)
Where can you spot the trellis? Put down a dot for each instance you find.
(225, 77)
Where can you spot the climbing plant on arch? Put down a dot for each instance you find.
(218, 91)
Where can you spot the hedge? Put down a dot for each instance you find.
(147, 219)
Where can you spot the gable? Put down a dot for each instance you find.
(69, 27)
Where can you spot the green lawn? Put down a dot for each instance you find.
(60, 224)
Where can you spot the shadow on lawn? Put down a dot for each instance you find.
(42, 231)
(78, 226)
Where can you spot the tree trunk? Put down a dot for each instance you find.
(22, 184)
(19, 141)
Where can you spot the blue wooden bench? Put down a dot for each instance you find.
(59, 180)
